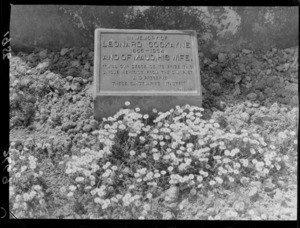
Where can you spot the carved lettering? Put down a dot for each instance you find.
(147, 62)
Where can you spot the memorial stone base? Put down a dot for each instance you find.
(105, 106)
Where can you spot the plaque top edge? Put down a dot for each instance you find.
(190, 32)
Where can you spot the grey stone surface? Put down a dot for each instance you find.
(150, 68)
(105, 106)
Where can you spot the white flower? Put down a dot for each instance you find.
(70, 194)
(156, 156)
(97, 200)
(282, 135)
(219, 180)
(79, 179)
(252, 151)
(149, 195)
(156, 175)
(127, 103)
(72, 188)
(132, 152)
(37, 187)
(23, 168)
(18, 198)
(212, 182)
(227, 152)
(26, 196)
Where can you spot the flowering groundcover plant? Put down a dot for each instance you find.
(139, 160)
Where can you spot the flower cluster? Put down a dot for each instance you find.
(178, 148)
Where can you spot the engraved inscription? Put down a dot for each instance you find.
(146, 62)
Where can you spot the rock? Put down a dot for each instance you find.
(237, 90)
(289, 50)
(87, 66)
(222, 105)
(271, 81)
(91, 55)
(74, 98)
(293, 87)
(31, 99)
(215, 88)
(43, 65)
(75, 86)
(249, 104)
(30, 58)
(43, 54)
(213, 109)
(294, 101)
(64, 51)
(213, 64)
(75, 63)
(275, 108)
(228, 77)
(203, 90)
(85, 73)
(222, 57)
(252, 96)
(231, 55)
(261, 84)
(242, 67)
(50, 75)
(200, 54)
(261, 96)
(67, 126)
(69, 78)
(245, 116)
(78, 80)
(283, 67)
(21, 69)
(246, 51)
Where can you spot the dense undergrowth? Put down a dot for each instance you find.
(234, 162)
(142, 164)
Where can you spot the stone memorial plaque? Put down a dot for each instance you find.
(150, 68)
